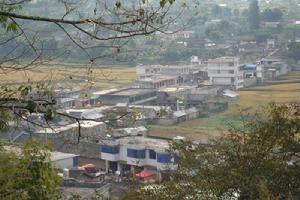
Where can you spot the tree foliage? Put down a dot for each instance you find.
(270, 15)
(294, 50)
(256, 161)
(254, 15)
(27, 173)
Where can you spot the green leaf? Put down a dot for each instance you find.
(12, 27)
(31, 106)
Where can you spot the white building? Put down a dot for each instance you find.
(131, 153)
(64, 160)
(225, 71)
(58, 159)
(146, 71)
(156, 82)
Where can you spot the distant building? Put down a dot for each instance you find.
(195, 60)
(225, 71)
(156, 82)
(185, 73)
(128, 96)
(145, 71)
(182, 34)
(250, 75)
(271, 44)
(270, 68)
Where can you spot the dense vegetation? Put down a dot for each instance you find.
(234, 21)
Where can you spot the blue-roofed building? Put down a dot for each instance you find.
(250, 75)
(249, 70)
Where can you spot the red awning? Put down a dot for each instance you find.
(145, 174)
(88, 166)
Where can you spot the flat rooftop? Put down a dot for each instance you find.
(145, 141)
(140, 142)
(55, 156)
(155, 79)
(131, 92)
(176, 89)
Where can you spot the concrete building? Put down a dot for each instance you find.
(137, 153)
(185, 97)
(129, 96)
(146, 71)
(270, 68)
(225, 71)
(250, 75)
(156, 82)
(64, 160)
(58, 159)
(271, 44)
(183, 73)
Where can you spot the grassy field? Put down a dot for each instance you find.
(72, 76)
(286, 89)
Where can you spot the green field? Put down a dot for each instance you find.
(286, 89)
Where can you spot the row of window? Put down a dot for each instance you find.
(139, 154)
(110, 149)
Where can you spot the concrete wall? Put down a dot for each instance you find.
(248, 82)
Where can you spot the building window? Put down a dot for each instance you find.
(110, 149)
(164, 158)
(152, 154)
(139, 154)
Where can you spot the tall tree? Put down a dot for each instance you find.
(256, 161)
(294, 51)
(254, 15)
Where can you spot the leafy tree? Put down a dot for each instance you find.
(269, 15)
(262, 36)
(258, 161)
(216, 11)
(294, 50)
(254, 15)
(213, 33)
(27, 173)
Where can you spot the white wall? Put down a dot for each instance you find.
(64, 163)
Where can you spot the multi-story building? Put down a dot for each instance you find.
(185, 73)
(270, 68)
(137, 153)
(225, 71)
(145, 71)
